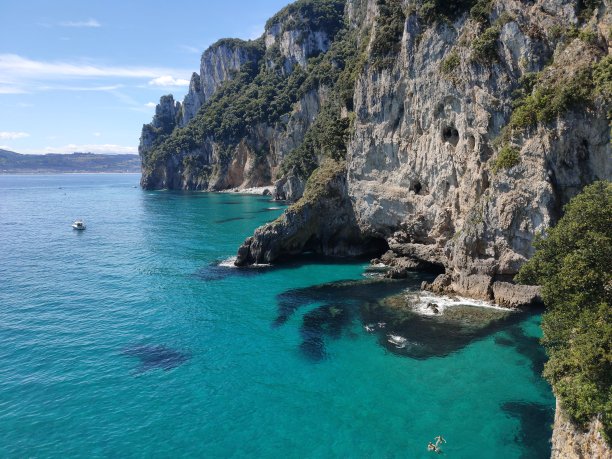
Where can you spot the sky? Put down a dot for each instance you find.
(85, 75)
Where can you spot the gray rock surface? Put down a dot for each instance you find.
(322, 222)
(570, 442)
(420, 159)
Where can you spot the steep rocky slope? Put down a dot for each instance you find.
(471, 132)
(248, 108)
(569, 442)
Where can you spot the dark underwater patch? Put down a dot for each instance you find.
(153, 357)
(324, 321)
(503, 341)
(535, 431)
(528, 346)
(375, 301)
(232, 219)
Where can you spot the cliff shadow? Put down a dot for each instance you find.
(535, 429)
(221, 269)
(528, 346)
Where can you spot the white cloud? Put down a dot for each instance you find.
(19, 74)
(89, 148)
(97, 134)
(168, 80)
(8, 135)
(151, 104)
(11, 90)
(89, 23)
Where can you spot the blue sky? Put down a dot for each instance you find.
(84, 75)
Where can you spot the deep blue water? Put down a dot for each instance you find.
(129, 340)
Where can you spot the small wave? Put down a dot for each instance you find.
(228, 262)
(442, 302)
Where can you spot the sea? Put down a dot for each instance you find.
(138, 338)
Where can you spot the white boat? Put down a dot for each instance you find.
(397, 341)
(78, 225)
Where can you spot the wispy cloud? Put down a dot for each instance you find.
(191, 49)
(91, 23)
(19, 74)
(167, 81)
(10, 135)
(151, 104)
(80, 88)
(97, 134)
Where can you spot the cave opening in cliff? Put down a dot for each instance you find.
(450, 134)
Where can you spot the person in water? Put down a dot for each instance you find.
(439, 439)
(432, 447)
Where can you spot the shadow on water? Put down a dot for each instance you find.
(528, 346)
(153, 357)
(221, 269)
(233, 219)
(535, 431)
(382, 301)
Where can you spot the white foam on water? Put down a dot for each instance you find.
(442, 302)
(229, 263)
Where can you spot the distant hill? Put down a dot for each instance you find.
(11, 162)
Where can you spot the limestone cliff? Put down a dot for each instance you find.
(570, 442)
(438, 114)
(247, 109)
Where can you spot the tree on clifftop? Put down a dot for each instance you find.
(573, 264)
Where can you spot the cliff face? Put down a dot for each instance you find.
(465, 126)
(569, 442)
(422, 159)
(196, 151)
(436, 119)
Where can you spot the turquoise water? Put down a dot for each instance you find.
(128, 340)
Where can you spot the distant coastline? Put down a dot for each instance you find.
(75, 163)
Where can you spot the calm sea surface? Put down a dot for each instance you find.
(134, 339)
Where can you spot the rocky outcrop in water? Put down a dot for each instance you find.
(321, 222)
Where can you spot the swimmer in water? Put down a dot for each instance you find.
(439, 439)
(432, 447)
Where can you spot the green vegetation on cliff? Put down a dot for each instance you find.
(311, 14)
(573, 264)
(387, 33)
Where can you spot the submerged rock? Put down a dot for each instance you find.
(154, 357)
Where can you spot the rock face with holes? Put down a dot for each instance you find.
(422, 172)
(420, 160)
